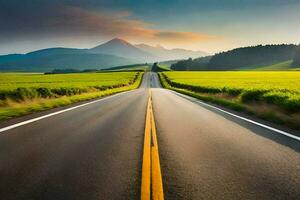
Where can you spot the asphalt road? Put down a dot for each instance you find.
(95, 152)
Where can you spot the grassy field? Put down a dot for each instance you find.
(271, 95)
(23, 93)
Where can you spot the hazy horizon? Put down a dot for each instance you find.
(209, 26)
(95, 45)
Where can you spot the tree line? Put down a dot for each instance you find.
(192, 64)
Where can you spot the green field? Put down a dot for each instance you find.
(239, 80)
(22, 93)
(11, 81)
(241, 90)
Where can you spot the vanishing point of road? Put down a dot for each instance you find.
(96, 151)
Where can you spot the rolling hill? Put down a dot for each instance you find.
(252, 57)
(268, 57)
(10, 58)
(80, 61)
(100, 57)
(116, 52)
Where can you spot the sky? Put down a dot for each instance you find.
(207, 25)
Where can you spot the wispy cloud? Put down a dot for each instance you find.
(116, 25)
(69, 21)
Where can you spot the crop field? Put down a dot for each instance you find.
(284, 81)
(22, 93)
(10, 81)
(17, 86)
(279, 89)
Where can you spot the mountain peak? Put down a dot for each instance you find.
(118, 41)
(115, 43)
(122, 48)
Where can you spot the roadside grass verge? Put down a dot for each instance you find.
(26, 100)
(272, 106)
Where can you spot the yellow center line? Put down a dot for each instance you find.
(151, 187)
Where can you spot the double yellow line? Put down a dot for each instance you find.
(152, 187)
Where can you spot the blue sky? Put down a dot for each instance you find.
(209, 25)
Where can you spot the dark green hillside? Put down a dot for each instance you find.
(296, 62)
(192, 64)
(10, 57)
(56, 51)
(246, 58)
(156, 68)
(252, 57)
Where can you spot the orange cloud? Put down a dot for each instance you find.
(116, 25)
(66, 22)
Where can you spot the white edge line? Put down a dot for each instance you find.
(242, 118)
(58, 112)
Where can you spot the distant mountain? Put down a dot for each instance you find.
(122, 48)
(116, 52)
(164, 54)
(246, 58)
(56, 51)
(64, 58)
(80, 61)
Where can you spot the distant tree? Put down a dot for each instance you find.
(64, 71)
(181, 65)
(157, 68)
(190, 64)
